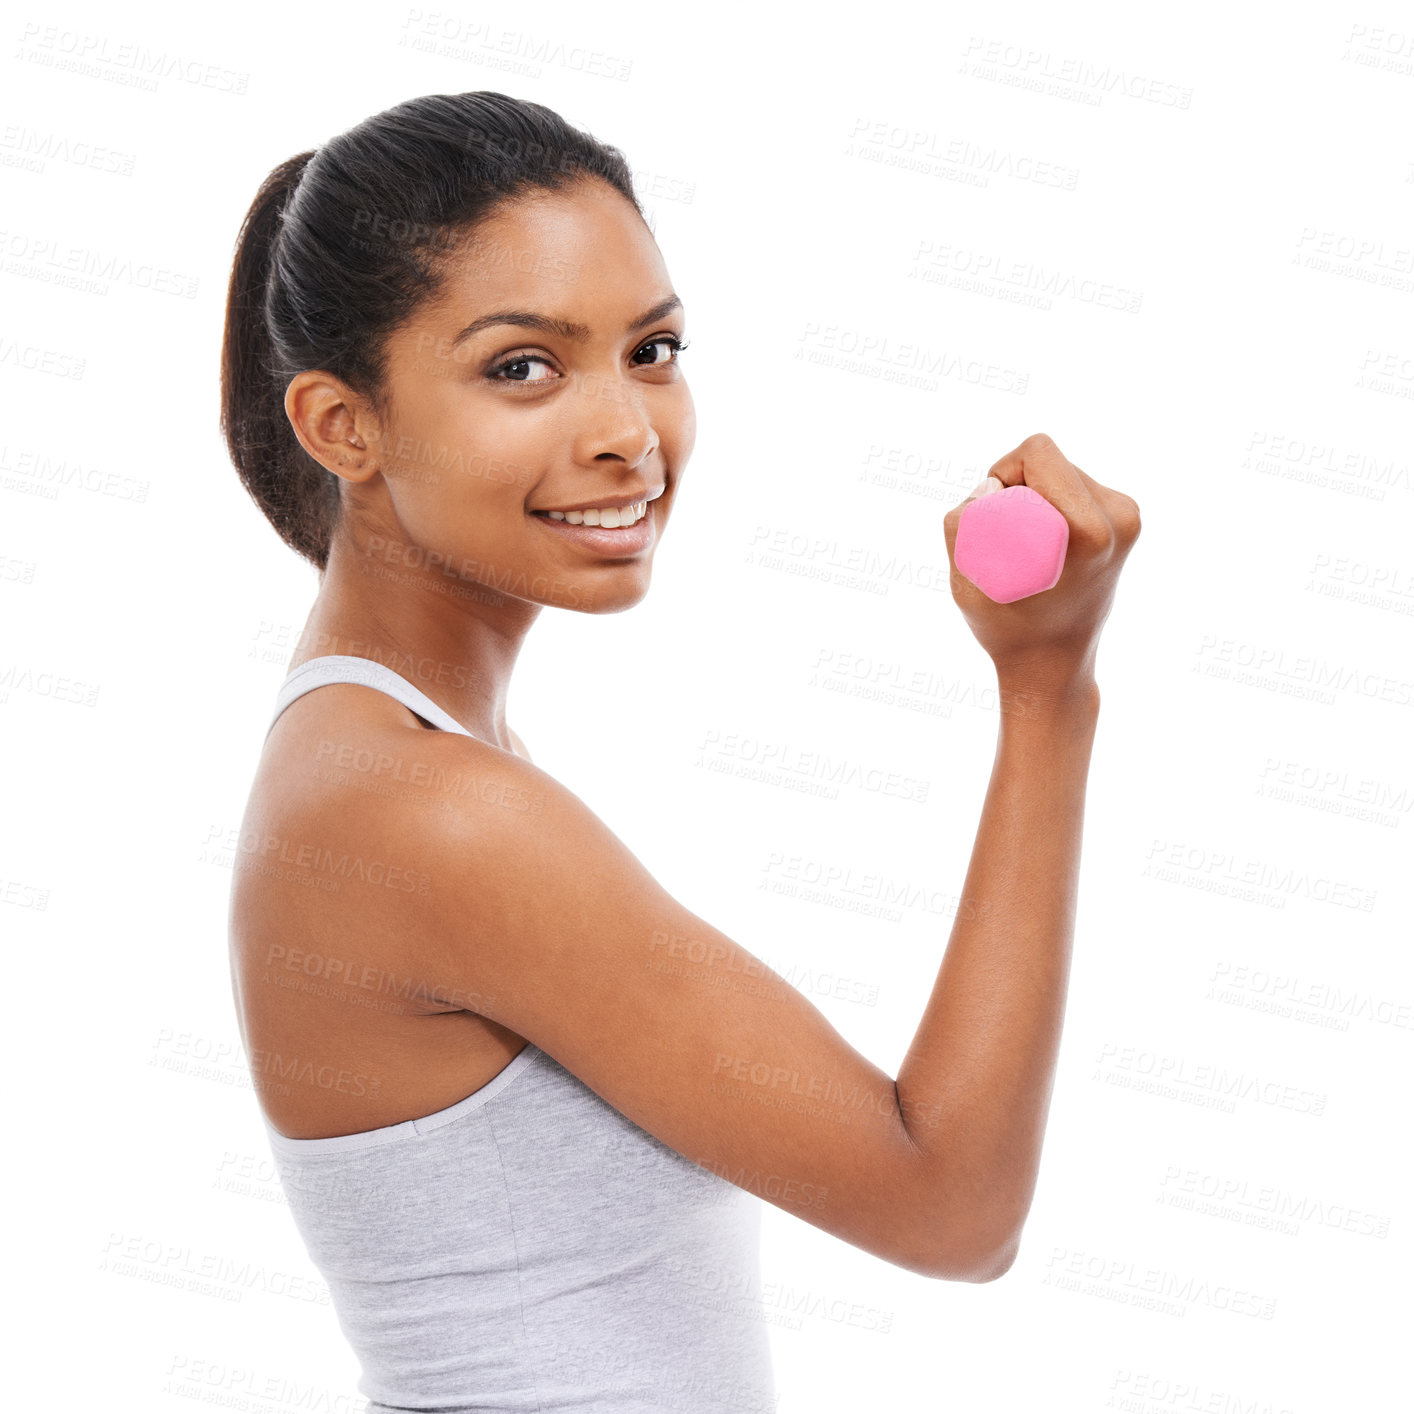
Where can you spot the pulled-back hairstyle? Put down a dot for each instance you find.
(341, 245)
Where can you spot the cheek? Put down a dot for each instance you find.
(679, 429)
(508, 447)
(481, 458)
(459, 473)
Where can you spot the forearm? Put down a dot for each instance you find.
(975, 1087)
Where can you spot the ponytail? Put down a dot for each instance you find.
(298, 496)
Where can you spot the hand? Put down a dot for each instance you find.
(1047, 642)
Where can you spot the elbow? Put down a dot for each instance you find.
(965, 1229)
(976, 1265)
(999, 1265)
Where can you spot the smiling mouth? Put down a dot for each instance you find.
(609, 517)
(612, 540)
(611, 512)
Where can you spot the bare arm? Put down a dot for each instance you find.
(985, 1051)
(986, 1047)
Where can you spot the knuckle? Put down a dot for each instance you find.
(1091, 534)
(1037, 442)
(1128, 516)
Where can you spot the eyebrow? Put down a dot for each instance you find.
(566, 329)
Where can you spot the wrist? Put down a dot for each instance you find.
(1031, 697)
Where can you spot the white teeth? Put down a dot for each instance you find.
(610, 517)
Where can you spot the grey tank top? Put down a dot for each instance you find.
(529, 1247)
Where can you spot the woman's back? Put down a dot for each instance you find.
(523, 1247)
(349, 1008)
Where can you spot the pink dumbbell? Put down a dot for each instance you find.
(1011, 542)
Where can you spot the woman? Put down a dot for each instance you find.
(523, 1135)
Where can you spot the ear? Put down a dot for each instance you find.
(334, 425)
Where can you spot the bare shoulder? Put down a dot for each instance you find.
(519, 744)
(349, 791)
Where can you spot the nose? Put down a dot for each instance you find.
(614, 423)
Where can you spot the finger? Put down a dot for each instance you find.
(1040, 464)
(1120, 510)
(1114, 506)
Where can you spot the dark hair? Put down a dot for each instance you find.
(343, 243)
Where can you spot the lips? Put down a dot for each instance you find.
(605, 502)
(605, 541)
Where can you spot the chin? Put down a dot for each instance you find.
(625, 592)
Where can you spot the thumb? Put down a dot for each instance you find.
(988, 486)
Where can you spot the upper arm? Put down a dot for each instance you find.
(540, 917)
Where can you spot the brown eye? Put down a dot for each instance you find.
(517, 362)
(674, 345)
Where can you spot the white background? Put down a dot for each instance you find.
(1219, 204)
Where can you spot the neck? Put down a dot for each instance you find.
(449, 636)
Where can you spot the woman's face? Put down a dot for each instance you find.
(545, 377)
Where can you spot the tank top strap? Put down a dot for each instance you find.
(344, 667)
